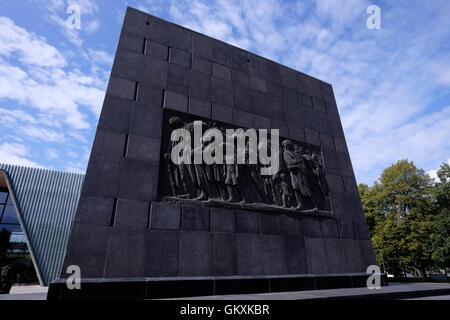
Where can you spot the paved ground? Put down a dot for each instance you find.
(40, 293)
(349, 293)
(446, 297)
(24, 296)
(26, 293)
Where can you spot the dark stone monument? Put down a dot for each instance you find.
(148, 228)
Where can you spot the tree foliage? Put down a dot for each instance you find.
(371, 204)
(440, 225)
(400, 209)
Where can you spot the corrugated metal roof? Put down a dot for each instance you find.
(47, 201)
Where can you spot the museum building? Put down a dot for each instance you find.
(37, 207)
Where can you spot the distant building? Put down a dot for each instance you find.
(37, 207)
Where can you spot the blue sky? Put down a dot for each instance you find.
(392, 85)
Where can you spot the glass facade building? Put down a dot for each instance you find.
(13, 247)
(37, 208)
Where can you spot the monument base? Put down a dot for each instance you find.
(173, 287)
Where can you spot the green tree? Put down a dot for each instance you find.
(400, 211)
(440, 240)
(370, 198)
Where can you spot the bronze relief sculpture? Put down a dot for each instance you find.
(299, 186)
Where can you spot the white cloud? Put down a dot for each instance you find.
(51, 154)
(29, 48)
(77, 167)
(47, 86)
(440, 71)
(12, 117)
(409, 140)
(341, 12)
(91, 26)
(252, 25)
(88, 7)
(389, 84)
(15, 153)
(433, 173)
(24, 125)
(385, 81)
(73, 35)
(58, 15)
(101, 56)
(72, 154)
(41, 134)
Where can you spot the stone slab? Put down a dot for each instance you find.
(270, 287)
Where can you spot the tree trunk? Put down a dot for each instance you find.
(423, 271)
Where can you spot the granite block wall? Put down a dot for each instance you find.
(121, 230)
